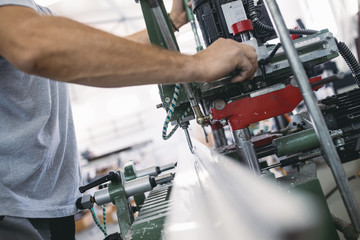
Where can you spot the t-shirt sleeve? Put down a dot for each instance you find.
(25, 3)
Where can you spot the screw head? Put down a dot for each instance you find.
(328, 35)
(219, 104)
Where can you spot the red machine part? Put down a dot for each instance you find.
(216, 126)
(295, 36)
(249, 110)
(264, 139)
(242, 26)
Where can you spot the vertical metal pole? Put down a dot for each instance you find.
(219, 138)
(246, 151)
(320, 127)
(191, 19)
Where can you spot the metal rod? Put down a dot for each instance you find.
(219, 138)
(199, 47)
(185, 126)
(320, 127)
(246, 151)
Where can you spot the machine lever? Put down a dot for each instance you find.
(112, 176)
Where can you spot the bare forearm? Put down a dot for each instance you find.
(88, 56)
(69, 51)
(65, 50)
(139, 37)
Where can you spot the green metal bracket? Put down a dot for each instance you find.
(156, 38)
(306, 181)
(139, 200)
(130, 174)
(152, 26)
(123, 212)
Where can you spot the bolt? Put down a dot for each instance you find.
(167, 99)
(203, 120)
(200, 120)
(205, 86)
(293, 82)
(219, 104)
(160, 105)
(328, 35)
(340, 143)
(250, 86)
(333, 50)
(350, 116)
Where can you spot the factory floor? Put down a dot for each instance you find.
(334, 201)
(324, 174)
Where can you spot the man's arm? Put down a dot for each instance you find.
(140, 37)
(65, 50)
(177, 16)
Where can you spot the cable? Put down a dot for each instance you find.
(170, 114)
(350, 60)
(261, 26)
(104, 217)
(103, 229)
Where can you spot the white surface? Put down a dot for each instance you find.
(216, 198)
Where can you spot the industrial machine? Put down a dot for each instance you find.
(286, 76)
(117, 187)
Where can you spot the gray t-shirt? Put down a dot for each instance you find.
(39, 168)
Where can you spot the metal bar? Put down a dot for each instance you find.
(246, 151)
(311, 103)
(188, 139)
(219, 138)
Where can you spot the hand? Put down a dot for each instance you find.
(177, 14)
(223, 57)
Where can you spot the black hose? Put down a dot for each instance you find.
(261, 26)
(350, 60)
